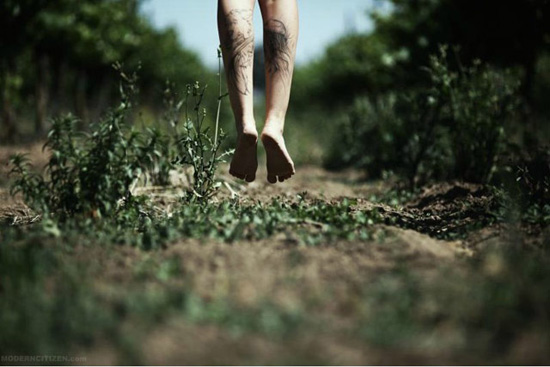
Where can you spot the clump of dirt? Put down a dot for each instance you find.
(447, 210)
(13, 211)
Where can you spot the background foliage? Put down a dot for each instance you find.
(59, 53)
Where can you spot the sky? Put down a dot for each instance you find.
(321, 22)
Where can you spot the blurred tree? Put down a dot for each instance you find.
(512, 33)
(66, 49)
(162, 58)
(509, 33)
(15, 36)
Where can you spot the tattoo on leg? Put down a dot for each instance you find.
(277, 51)
(238, 41)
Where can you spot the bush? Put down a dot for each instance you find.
(526, 177)
(92, 174)
(451, 129)
(477, 101)
(367, 135)
(86, 173)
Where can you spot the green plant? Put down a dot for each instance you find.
(533, 176)
(397, 133)
(367, 134)
(453, 128)
(478, 101)
(159, 156)
(93, 173)
(532, 185)
(195, 146)
(86, 173)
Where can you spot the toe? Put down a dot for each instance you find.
(250, 178)
(272, 179)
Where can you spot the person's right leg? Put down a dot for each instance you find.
(280, 38)
(237, 42)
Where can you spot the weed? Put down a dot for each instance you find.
(451, 129)
(478, 101)
(197, 149)
(92, 174)
(87, 173)
(195, 146)
(526, 178)
(159, 156)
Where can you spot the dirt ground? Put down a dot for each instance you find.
(293, 277)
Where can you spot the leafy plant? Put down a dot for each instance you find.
(477, 102)
(451, 129)
(86, 173)
(195, 146)
(533, 176)
(160, 156)
(93, 173)
(526, 176)
(369, 131)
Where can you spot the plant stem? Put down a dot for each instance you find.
(219, 96)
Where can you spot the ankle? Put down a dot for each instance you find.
(274, 125)
(272, 130)
(248, 132)
(247, 127)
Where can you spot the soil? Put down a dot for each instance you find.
(289, 275)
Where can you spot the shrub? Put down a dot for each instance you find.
(86, 173)
(533, 176)
(526, 177)
(367, 135)
(451, 129)
(93, 173)
(477, 101)
(196, 148)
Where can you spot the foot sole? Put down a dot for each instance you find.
(273, 149)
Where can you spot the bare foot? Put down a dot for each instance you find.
(279, 163)
(245, 162)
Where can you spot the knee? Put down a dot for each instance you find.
(267, 3)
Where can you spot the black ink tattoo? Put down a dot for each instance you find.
(238, 41)
(277, 51)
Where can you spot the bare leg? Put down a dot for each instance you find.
(237, 41)
(280, 38)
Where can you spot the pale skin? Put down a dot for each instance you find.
(280, 19)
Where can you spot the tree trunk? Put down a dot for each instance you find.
(59, 100)
(81, 102)
(8, 114)
(42, 78)
(104, 96)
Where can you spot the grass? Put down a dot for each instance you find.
(65, 302)
(228, 221)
